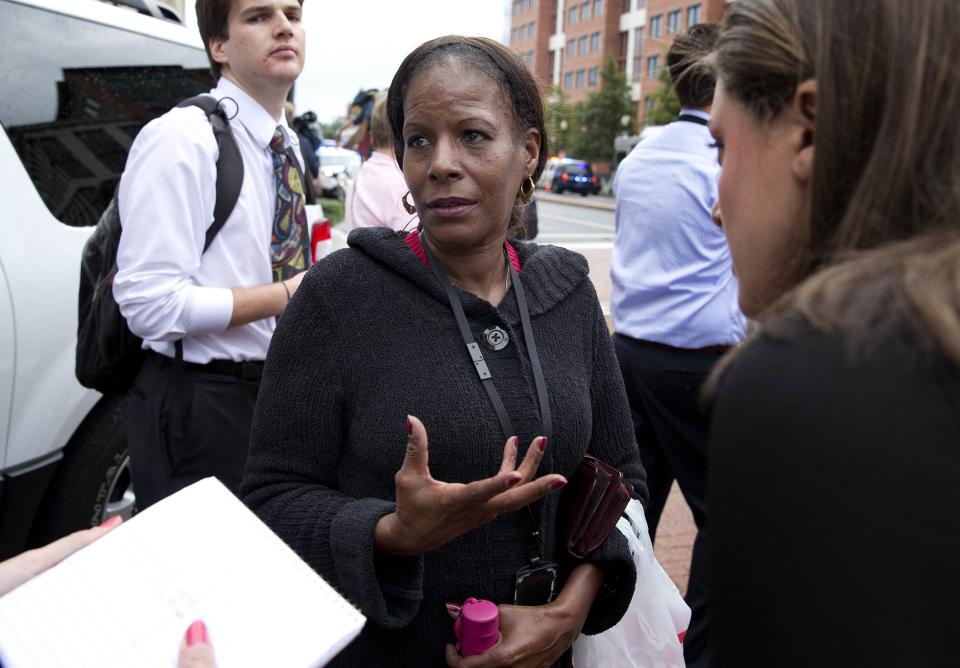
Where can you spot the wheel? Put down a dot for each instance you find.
(92, 482)
(583, 193)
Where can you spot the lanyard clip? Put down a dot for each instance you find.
(477, 356)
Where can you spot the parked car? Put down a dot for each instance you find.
(70, 110)
(338, 167)
(563, 174)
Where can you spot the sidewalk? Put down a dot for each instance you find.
(674, 543)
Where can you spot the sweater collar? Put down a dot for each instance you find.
(413, 241)
(549, 275)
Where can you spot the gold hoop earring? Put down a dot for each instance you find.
(411, 209)
(526, 190)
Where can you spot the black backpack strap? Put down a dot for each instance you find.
(229, 162)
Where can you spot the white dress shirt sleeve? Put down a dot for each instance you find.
(166, 200)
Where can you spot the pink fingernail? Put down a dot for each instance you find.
(543, 444)
(557, 484)
(453, 608)
(197, 633)
(409, 426)
(514, 480)
(112, 522)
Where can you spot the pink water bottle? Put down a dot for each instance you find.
(477, 628)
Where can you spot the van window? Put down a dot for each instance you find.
(75, 94)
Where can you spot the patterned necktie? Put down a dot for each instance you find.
(290, 241)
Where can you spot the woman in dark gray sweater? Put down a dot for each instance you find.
(369, 359)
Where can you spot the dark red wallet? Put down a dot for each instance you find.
(592, 502)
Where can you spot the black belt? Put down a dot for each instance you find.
(248, 370)
(718, 349)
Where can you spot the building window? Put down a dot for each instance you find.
(572, 16)
(580, 78)
(532, 4)
(516, 6)
(594, 76)
(595, 42)
(656, 25)
(648, 103)
(598, 7)
(653, 66)
(571, 48)
(513, 35)
(531, 29)
(568, 81)
(523, 32)
(585, 11)
(582, 46)
(693, 15)
(636, 72)
(673, 22)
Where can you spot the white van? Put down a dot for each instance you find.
(79, 78)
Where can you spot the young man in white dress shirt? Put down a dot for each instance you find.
(674, 301)
(191, 419)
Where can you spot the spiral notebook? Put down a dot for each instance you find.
(127, 599)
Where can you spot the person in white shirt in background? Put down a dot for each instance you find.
(674, 302)
(374, 197)
(189, 420)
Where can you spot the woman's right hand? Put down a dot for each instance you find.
(431, 513)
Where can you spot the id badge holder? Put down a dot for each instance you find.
(536, 583)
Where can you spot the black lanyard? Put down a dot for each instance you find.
(486, 379)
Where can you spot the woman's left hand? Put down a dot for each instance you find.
(530, 637)
(17, 570)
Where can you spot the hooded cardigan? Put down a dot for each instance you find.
(370, 338)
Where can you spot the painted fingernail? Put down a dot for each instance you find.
(543, 444)
(453, 608)
(112, 522)
(409, 426)
(514, 480)
(557, 484)
(196, 633)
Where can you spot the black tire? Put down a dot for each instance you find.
(583, 193)
(92, 482)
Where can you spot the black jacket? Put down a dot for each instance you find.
(369, 338)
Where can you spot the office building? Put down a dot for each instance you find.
(564, 42)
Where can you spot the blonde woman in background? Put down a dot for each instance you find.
(373, 199)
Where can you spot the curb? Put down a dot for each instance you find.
(590, 201)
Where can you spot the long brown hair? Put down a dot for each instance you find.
(883, 249)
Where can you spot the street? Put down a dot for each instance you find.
(586, 225)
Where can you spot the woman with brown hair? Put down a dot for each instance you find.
(835, 450)
(372, 356)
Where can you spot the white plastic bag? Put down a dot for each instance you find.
(648, 634)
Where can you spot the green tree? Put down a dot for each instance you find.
(600, 119)
(331, 129)
(560, 120)
(665, 104)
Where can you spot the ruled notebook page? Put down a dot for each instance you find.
(128, 598)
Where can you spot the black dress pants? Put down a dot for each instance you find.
(671, 426)
(185, 424)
